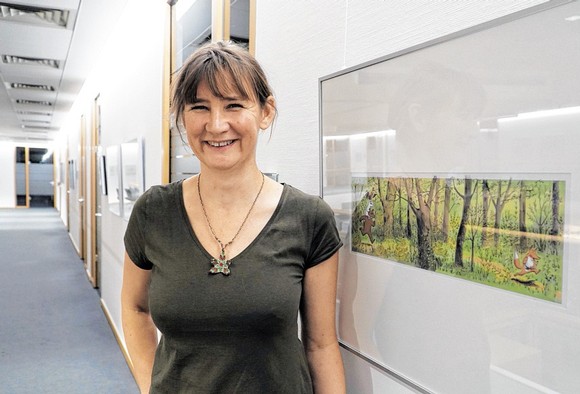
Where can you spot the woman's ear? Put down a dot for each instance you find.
(268, 113)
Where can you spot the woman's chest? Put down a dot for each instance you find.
(262, 291)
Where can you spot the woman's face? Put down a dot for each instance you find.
(223, 132)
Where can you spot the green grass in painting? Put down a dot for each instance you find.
(487, 256)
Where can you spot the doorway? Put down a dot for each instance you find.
(34, 177)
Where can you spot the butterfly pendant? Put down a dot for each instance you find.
(221, 264)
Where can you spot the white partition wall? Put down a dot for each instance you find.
(452, 168)
(322, 38)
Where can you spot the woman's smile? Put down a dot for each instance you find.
(220, 144)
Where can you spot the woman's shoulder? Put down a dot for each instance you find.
(299, 195)
(159, 195)
(303, 201)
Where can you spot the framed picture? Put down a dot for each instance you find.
(114, 179)
(72, 174)
(452, 169)
(133, 174)
(102, 168)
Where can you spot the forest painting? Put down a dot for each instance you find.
(504, 233)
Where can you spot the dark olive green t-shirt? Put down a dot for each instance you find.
(236, 333)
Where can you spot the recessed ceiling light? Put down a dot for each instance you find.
(30, 14)
(16, 85)
(573, 18)
(9, 59)
(36, 102)
(27, 127)
(35, 121)
(34, 113)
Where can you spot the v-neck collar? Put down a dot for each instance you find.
(261, 234)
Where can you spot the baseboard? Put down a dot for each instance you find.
(117, 337)
(77, 249)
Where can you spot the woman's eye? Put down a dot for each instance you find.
(235, 105)
(197, 108)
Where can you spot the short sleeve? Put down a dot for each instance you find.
(325, 239)
(134, 235)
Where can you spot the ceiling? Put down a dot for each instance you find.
(47, 48)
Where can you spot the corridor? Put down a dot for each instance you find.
(54, 336)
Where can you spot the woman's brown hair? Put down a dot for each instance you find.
(223, 65)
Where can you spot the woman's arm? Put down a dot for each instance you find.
(139, 330)
(319, 330)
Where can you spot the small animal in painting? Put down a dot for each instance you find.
(368, 218)
(529, 263)
(368, 221)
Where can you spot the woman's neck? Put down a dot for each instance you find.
(226, 188)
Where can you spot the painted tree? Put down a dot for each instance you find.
(399, 207)
(540, 212)
(408, 228)
(485, 204)
(436, 203)
(387, 198)
(419, 202)
(446, 210)
(466, 196)
(523, 194)
(474, 219)
(400, 203)
(555, 230)
(499, 199)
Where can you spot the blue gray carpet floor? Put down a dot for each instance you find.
(54, 336)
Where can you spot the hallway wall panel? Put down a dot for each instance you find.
(128, 81)
(319, 38)
(7, 181)
(323, 37)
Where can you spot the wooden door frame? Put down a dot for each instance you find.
(67, 184)
(93, 272)
(82, 189)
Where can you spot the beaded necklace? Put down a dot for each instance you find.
(222, 264)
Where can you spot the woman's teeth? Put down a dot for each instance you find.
(220, 144)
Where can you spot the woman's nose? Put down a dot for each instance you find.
(217, 122)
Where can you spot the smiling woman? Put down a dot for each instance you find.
(224, 127)
(222, 262)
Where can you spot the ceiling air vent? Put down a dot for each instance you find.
(34, 113)
(35, 102)
(36, 128)
(28, 86)
(8, 59)
(33, 15)
(36, 121)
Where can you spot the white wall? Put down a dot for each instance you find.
(128, 81)
(7, 181)
(300, 42)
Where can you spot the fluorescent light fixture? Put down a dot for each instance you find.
(336, 137)
(381, 133)
(20, 60)
(542, 114)
(17, 85)
(572, 18)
